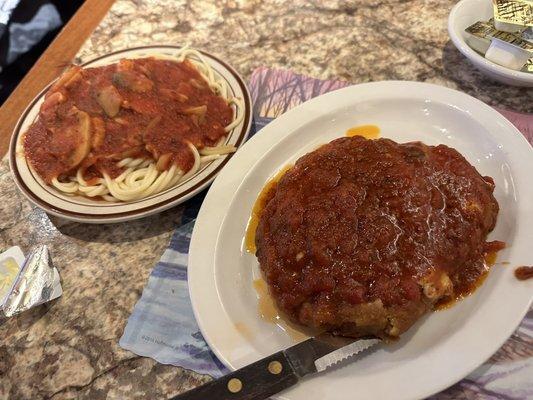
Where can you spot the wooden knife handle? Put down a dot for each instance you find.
(256, 381)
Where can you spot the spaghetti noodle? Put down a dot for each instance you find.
(171, 138)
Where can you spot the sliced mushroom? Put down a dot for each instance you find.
(197, 84)
(144, 69)
(131, 152)
(181, 97)
(125, 65)
(195, 120)
(152, 124)
(50, 103)
(109, 99)
(200, 110)
(120, 121)
(130, 79)
(163, 162)
(98, 136)
(173, 95)
(197, 114)
(69, 74)
(74, 79)
(80, 134)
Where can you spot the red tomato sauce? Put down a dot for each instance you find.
(523, 273)
(94, 117)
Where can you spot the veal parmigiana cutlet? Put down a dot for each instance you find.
(362, 237)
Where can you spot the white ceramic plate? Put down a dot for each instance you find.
(82, 209)
(441, 348)
(464, 14)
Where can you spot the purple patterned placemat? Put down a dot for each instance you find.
(275, 91)
(162, 325)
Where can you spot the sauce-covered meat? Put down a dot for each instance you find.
(148, 107)
(364, 236)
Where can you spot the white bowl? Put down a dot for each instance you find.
(464, 14)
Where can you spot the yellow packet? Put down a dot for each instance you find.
(516, 12)
(10, 263)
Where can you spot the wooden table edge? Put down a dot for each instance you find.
(59, 54)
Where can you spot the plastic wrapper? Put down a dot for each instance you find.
(37, 282)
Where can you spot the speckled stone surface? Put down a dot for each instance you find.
(69, 348)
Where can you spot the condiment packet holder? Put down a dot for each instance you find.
(471, 12)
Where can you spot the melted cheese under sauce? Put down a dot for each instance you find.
(270, 313)
(266, 306)
(257, 209)
(366, 131)
(444, 304)
(243, 330)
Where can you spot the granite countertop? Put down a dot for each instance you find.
(69, 348)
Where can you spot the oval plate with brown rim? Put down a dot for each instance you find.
(82, 209)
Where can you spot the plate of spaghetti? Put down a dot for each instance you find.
(130, 134)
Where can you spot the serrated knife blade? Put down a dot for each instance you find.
(281, 370)
(343, 353)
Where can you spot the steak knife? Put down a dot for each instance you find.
(281, 370)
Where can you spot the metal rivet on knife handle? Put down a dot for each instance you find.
(275, 367)
(234, 385)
